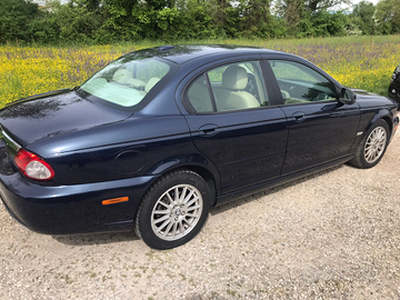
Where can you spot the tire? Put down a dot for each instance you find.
(165, 221)
(372, 147)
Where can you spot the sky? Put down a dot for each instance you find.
(354, 2)
(373, 1)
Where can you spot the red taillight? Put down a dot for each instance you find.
(33, 166)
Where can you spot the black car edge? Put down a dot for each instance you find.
(394, 87)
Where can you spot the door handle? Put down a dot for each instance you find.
(208, 130)
(335, 115)
(299, 116)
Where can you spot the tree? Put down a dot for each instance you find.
(255, 17)
(318, 5)
(388, 16)
(312, 17)
(363, 17)
(14, 19)
(292, 12)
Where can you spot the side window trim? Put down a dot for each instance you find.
(210, 92)
(269, 90)
(272, 86)
(332, 82)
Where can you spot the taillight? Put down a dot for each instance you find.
(33, 166)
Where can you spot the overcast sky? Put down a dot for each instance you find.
(358, 1)
(373, 1)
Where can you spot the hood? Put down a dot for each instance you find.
(368, 96)
(361, 93)
(54, 114)
(367, 99)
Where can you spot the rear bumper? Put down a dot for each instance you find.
(73, 208)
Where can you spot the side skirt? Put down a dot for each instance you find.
(276, 182)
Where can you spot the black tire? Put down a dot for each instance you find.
(370, 153)
(165, 222)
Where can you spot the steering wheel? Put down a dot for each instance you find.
(251, 85)
(320, 97)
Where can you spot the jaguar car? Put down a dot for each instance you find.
(159, 136)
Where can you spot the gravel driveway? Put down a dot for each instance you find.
(335, 235)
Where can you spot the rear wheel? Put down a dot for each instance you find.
(173, 210)
(372, 147)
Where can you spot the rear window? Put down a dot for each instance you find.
(126, 81)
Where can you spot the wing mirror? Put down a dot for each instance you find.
(347, 96)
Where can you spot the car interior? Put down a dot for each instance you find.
(234, 87)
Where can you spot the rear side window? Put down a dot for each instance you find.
(199, 97)
(230, 87)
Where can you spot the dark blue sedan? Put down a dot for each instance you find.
(155, 138)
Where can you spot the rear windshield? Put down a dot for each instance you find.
(126, 81)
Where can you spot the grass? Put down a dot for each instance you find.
(362, 62)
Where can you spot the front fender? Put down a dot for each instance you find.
(390, 116)
(370, 116)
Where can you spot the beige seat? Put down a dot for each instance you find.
(233, 96)
(151, 83)
(123, 76)
(285, 94)
(200, 98)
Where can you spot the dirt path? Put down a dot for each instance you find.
(335, 235)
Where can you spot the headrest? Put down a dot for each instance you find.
(122, 75)
(285, 95)
(234, 78)
(151, 83)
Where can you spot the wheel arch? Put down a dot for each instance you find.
(195, 163)
(388, 120)
(209, 178)
(384, 115)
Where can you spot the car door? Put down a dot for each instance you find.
(321, 129)
(234, 124)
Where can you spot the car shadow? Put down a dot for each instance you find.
(241, 201)
(89, 239)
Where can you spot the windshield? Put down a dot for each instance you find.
(127, 80)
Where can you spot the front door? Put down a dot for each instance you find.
(320, 128)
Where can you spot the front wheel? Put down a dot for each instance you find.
(372, 147)
(173, 210)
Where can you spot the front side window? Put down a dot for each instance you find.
(233, 87)
(126, 81)
(300, 84)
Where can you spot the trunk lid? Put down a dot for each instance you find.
(54, 114)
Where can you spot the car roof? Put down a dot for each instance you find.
(181, 54)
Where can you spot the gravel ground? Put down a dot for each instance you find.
(334, 235)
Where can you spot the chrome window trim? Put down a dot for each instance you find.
(9, 141)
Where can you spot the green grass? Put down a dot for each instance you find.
(365, 62)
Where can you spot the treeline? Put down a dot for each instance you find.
(113, 21)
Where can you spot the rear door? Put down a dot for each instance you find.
(236, 125)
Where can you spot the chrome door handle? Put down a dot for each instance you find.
(299, 116)
(208, 130)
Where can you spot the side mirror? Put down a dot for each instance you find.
(347, 96)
